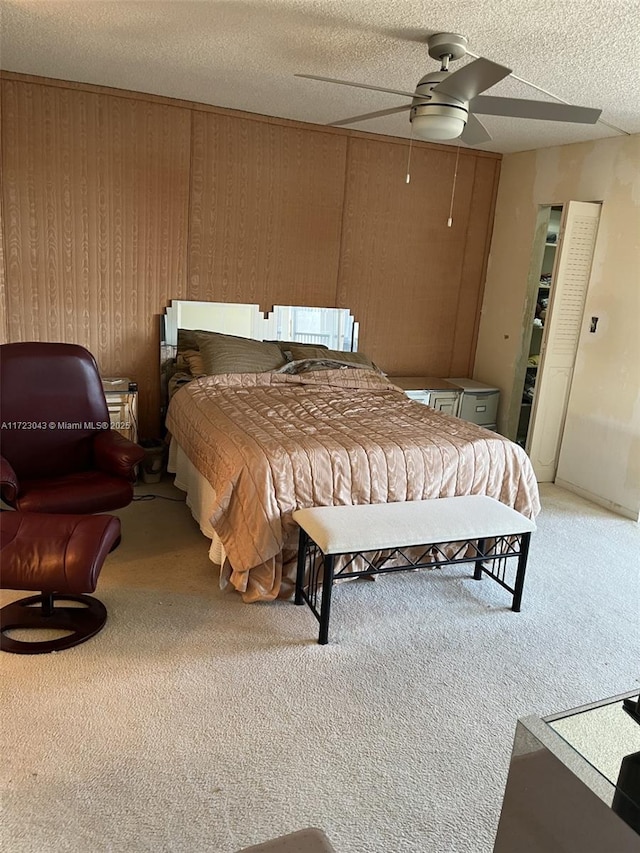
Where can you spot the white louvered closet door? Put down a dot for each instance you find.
(569, 283)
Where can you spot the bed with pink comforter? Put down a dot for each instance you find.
(270, 443)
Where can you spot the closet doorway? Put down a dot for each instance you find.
(558, 281)
(542, 277)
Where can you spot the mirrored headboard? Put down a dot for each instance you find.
(335, 328)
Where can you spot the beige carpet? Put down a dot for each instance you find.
(194, 722)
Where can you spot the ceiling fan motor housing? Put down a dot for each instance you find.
(439, 104)
(452, 45)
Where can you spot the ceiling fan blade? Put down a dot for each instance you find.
(544, 110)
(377, 114)
(358, 85)
(475, 133)
(472, 79)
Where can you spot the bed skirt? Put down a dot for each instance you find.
(200, 498)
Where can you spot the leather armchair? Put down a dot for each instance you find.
(58, 452)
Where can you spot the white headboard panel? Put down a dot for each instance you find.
(229, 318)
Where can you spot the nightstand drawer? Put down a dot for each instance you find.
(445, 401)
(431, 391)
(480, 408)
(419, 396)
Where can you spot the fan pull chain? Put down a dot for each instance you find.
(409, 157)
(453, 189)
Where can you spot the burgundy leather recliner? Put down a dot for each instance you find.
(58, 452)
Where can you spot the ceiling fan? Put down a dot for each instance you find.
(444, 104)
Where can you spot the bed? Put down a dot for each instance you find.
(324, 427)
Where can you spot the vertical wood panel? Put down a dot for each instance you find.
(96, 205)
(4, 322)
(266, 207)
(476, 252)
(401, 266)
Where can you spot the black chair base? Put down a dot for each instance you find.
(84, 622)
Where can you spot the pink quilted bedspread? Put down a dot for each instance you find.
(271, 443)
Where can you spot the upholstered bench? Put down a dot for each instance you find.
(61, 556)
(464, 529)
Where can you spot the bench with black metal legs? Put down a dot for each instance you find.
(373, 539)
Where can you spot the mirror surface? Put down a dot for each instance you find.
(333, 327)
(603, 736)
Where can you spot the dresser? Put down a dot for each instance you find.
(122, 402)
(437, 393)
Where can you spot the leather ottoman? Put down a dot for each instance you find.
(61, 556)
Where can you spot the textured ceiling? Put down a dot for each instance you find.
(244, 53)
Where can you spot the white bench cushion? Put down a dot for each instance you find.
(372, 527)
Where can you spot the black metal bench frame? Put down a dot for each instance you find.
(490, 555)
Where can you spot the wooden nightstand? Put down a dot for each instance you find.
(122, 403)
(437, 393)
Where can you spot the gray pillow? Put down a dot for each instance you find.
(192, 359)
(307, 351)
(285, 346)
(187, 339)
(231, 354)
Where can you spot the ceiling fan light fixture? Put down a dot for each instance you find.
(435, 128)
(439, 106)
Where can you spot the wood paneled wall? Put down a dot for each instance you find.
(4, 331)
(266, 210)
(413, 282)
(114, 203)
(95, 198)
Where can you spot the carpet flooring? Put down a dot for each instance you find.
(194, 722)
